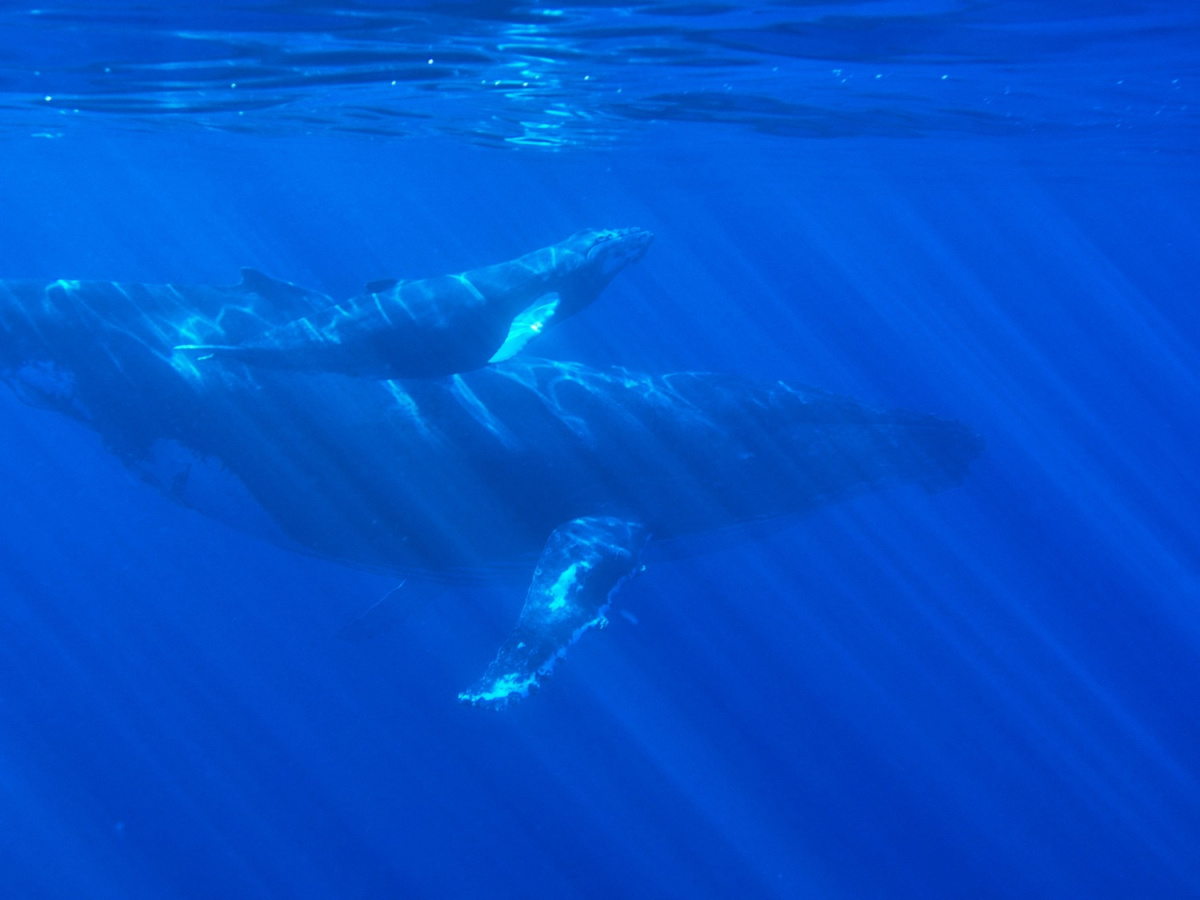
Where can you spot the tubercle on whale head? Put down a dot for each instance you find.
(612, 249)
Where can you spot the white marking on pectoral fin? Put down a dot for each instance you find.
(582, 565)
(527, 325)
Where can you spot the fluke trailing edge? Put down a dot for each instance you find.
(568, 470)
(448, 324)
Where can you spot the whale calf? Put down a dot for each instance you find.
(565, 471)
(448, 324)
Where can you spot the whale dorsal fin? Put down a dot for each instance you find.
(582, 565)
(528, 324)
(283, 294)
(379, 285)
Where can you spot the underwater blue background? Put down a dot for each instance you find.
(988, 691)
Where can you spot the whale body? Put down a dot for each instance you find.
(448, 324)
(566, 470)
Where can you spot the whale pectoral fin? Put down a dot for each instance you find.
(528, 324)
(581, 567)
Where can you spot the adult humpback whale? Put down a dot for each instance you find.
(448, 324)
(565, 468)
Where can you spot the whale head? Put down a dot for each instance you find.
(588, 260)
(610, 250)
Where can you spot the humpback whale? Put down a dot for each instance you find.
(448, 324)
(566, 470)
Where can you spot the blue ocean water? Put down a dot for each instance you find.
(984, 210)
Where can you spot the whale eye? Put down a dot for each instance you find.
(601, 241)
